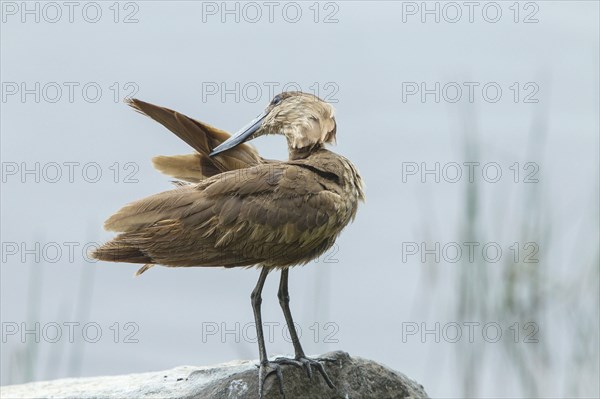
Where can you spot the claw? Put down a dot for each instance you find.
(265, 370)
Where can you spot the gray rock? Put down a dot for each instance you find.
(353, 377)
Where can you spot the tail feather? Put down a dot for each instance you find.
(120, 251)
(203, 138)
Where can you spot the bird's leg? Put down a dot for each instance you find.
(266, 368)
(300, 358)
(284, 300)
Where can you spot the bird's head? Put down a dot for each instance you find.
(304, 119)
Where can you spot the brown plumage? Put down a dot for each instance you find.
(238, 209)
(243, 211)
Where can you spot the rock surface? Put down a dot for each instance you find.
(353, 377)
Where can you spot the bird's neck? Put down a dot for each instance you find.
(304, 152)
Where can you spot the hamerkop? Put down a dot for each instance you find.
(232, 208)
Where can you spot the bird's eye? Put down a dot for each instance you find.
(276, 100)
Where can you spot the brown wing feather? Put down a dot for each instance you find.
(189, 167)
(200, 136)
(273, 214)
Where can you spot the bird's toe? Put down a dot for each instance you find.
(307, 364)
(265, 370)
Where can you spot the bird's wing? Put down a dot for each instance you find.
(273, 213)
(200, 136)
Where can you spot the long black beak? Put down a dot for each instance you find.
(242, 135)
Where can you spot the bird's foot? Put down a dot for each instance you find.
(274, 367)
(266, 369)
(308, 364)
